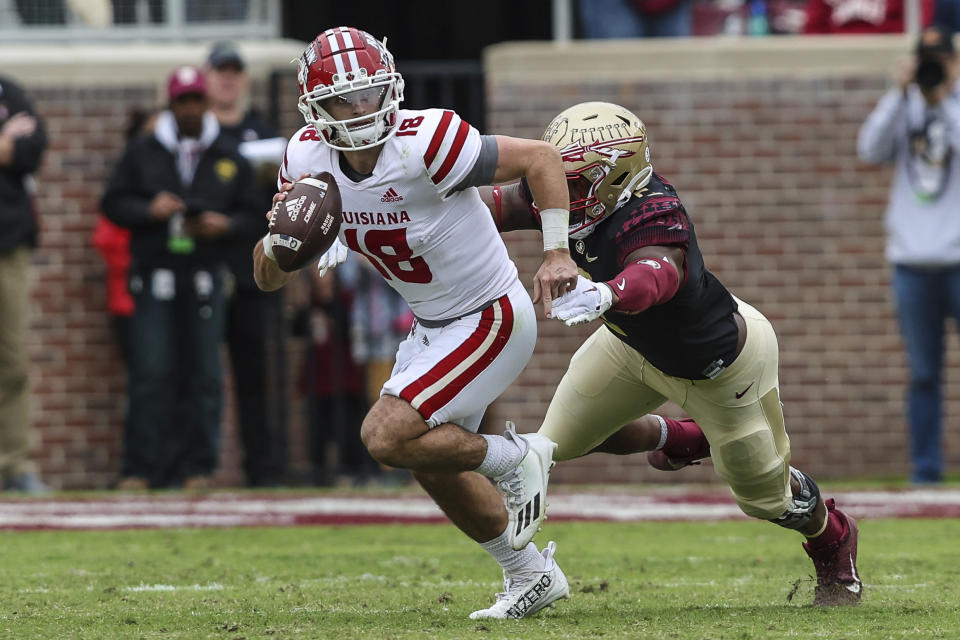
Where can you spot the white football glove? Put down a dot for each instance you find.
(336, 254)
(584, 303)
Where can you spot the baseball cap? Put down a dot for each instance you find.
(186, 80)
(224, 53)
(934, 39)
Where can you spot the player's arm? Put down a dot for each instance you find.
(650, 276)
(267, 274)
(509, 207)
(540, 163)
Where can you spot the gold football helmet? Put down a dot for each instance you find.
(606, 158)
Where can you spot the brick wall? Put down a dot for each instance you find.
(786, 217)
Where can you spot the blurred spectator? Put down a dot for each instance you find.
(860, 16)
(254, 317)
(635, 18)
(334, 385)
(379, 322)
(113, 244)
(23, 140)
(229, 88)
(946, 15)
(182, 192)
(742, 17)
(916, 126)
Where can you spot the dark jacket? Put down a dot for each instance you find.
(223, 182)
(18, 222)
(240, 251)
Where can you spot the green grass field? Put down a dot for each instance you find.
(727, 580)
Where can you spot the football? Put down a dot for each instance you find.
(305, 224)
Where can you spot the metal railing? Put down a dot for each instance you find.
(117, 20)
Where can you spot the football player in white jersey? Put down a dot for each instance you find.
(407, 181)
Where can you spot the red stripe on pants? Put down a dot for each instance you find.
(430, 405)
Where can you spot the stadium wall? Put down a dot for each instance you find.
(758, 135)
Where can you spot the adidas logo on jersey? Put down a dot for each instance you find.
(391, 196)
(294, 206)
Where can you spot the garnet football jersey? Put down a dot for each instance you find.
(684, 336)
(438, 247)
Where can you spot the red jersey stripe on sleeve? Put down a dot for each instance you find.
(437, 139)
(285, 168)
(453, 153)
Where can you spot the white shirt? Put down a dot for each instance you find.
(439, 249)
(923, 142)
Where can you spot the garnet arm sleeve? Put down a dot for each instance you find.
(646, 281)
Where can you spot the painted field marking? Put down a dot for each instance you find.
(242, 510)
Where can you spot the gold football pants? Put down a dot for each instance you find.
(610, 384)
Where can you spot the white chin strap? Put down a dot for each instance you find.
(638, 181)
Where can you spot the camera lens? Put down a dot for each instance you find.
(930, 73)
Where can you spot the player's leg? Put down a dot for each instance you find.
(532, 579)
(397, 435)
(444, 377)
(599, 394)
(670, 443)
(448, 375)
(751, 451)
(431, 428)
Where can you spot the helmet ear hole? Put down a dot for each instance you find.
(620, 178)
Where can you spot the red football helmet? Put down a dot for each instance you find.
(350, 66)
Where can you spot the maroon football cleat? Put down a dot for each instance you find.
(838, 582)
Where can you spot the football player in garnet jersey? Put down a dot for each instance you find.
(408, 181)
(671, 331)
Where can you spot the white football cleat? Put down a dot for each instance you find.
(526, 592)
(524, 487)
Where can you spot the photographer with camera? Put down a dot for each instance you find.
(184, 191)
(916, 126)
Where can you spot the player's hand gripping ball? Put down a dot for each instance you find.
(305, 224)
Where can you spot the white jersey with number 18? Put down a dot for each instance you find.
(439, 248)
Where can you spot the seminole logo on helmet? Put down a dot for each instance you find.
(576, 152)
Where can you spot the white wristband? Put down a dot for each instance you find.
(555, 224)
(268, 248)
